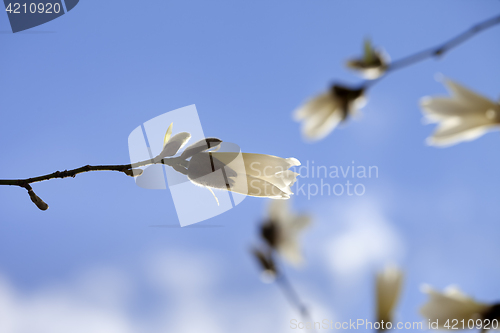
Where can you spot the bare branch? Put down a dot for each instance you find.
(437, 50)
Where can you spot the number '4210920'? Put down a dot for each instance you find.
(485, 324)
(33, 8)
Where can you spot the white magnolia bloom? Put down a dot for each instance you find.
(465, 116)
(282, 229)
(321, 114)
(249, 174)
(452, 304)
(388, 288)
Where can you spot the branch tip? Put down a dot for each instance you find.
(36, 199)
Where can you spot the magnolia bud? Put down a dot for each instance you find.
(270, 232)
(269, 272)
(372, 65)
(37, 201)
(133, 172)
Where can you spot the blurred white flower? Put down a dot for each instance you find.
(465, 116)
(321, 114)
(388, 288)
(452, 304)
(281, 231)
(249, 174)
(372, 65)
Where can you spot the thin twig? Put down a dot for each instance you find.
(291, 294)
(128, 169)
(72, 173)
(437, 50)
(293, 297)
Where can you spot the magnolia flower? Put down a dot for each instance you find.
(388, 287)
(282, 229)
(249, 174)
(453, 304)
(372, 65)
(464, 117)
(255, 175)
(321, 114)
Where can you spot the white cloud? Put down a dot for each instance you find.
(366, 239)
(190, 287)
(54, 311)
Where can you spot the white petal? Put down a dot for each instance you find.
(200, 146)
(290, 251)
(174, 144)
(208, 171)
(456, 130)
(313, 105)
(388, 288)
(468, 96)
(278, 210)
(287, 178)
(319, 125)
(205, 170)
(452, 304)
(257, 187)
(289, 226)
(245, 173)
(439, 108)
(168, 134)
(259, 165)
(300, 222)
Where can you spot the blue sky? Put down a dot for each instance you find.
(74, 88)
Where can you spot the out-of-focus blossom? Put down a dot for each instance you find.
(453, 304)
(388, 288)
(372, 65)
(255, 175)
(465, 116)
(321, 114)
(281, 231)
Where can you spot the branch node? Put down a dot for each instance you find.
(133, 172)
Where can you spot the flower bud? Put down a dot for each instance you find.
(372, 65)
(37, 201)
